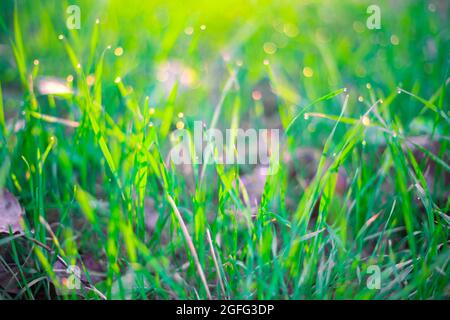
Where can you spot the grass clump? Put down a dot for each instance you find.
(86, 118)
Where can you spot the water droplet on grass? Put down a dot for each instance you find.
(366, 121)
(180, 125)
(256, 95)
(118, 51)
(308, 72)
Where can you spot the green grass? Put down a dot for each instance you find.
(365, 173)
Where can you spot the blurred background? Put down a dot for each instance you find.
(313, 47)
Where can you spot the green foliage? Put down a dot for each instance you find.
(90, 165)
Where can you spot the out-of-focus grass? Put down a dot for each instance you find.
(90, 168)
